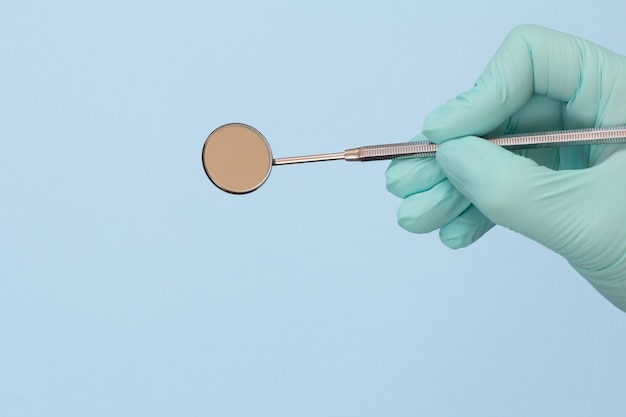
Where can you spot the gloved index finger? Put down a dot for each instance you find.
(531, 60)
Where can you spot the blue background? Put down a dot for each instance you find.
(130, 286)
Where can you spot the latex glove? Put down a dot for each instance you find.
(572, 200)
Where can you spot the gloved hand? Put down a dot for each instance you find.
(572, 200)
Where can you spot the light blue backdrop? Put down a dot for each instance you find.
(130, 286)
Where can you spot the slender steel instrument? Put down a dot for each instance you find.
(238, 159)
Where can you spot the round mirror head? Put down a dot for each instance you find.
(237, 158)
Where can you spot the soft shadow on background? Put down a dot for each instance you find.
(129, 285)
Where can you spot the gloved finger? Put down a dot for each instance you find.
(405, 177)
(512, 190)
(538, 114)
(559, 209)
(465, 229)
(409, 176)
(532, 60)
(430, 210)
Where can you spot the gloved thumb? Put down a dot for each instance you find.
(576, 213)
(512, 190)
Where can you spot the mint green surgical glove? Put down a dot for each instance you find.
(572, 200)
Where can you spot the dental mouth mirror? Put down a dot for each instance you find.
(238, 159)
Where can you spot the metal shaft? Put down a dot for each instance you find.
(597, 136)
(309, 158)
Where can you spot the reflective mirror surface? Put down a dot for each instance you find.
(237, 158)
